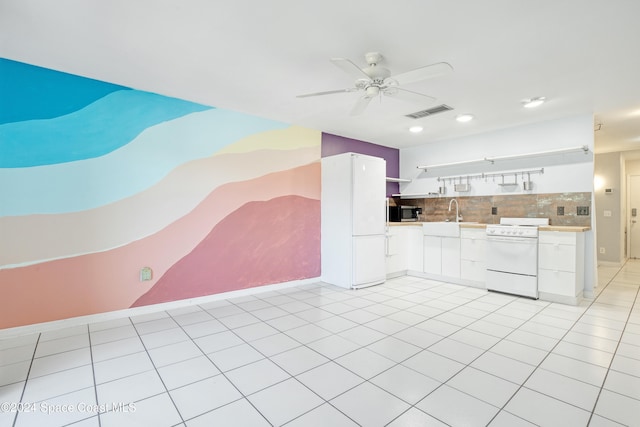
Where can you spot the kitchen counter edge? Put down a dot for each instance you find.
(565, 228)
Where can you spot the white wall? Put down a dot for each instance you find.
(564, 173)
(610, 236)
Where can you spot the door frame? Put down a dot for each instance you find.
(626, 212)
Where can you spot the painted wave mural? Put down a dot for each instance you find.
(98, 181)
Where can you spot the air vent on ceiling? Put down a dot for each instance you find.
(429, 112)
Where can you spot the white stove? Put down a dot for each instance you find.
(512, 256)
(525, 231)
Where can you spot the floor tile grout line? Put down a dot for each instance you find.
(325, 402)
(542, 361)
(328, 361)
(386, 335)
(26, 380)
(292, 376)
(604, 380)
(93, 374)
(487, 350)
(156, 370)
(502, 339)
(442, 383)
(243, 396)
(465, 366)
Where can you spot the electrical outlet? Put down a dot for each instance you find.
(602, 250)
(583, 210)
(494, 210)
(560, 210)
(146, 274)
(607, 213)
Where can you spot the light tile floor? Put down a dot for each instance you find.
(410, 352)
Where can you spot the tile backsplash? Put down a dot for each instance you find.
(560, 208)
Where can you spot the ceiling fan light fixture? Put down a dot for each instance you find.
(373, 81)
(466, 117)
(372, 91)
(416, 129)
(533, 102)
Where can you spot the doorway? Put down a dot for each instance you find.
(633, 211)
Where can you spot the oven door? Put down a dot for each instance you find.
(515, 255)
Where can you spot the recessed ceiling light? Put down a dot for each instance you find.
(415, 129)
(533, 102)
(464, 117)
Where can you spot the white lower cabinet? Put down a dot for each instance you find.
(463, 259)
(451, 257)
(473, 247)
(432, 254)
(404, 250)
(441, 256)
(414, 240)
(561, 266)
(397, 255)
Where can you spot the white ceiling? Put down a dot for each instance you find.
(255, 56)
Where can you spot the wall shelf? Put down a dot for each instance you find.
(415, 195)
(389, 179)
(493, 160)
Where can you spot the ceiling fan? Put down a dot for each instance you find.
(375, 81)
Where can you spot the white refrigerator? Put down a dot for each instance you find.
(353, 220)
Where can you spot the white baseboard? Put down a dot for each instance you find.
(136, 311)
(611, 264)
(562, 299)
(397, 274)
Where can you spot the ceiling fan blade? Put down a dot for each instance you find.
(407, 95)
(350, 68)
(328, 92)
(360, 106)
(423, 73)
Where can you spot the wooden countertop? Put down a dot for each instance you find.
(569, 228)
(564, 228)
(472, 225)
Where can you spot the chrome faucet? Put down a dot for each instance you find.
(458, 216)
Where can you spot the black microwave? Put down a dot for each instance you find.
(403, 213)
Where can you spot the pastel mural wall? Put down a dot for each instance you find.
(98, 181)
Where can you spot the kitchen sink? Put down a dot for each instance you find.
(441, 229)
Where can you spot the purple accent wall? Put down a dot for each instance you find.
(334, 144)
